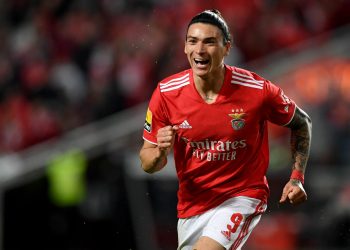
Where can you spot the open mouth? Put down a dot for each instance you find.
(201, 61)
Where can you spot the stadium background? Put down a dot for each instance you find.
(75, 77)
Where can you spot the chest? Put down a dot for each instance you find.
(231, 119)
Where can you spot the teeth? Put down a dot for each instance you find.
(201, 61)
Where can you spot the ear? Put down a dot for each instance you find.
(228, 47)
(185, 48)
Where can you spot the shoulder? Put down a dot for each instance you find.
(175, 82)
(246, 78)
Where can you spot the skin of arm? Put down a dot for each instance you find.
(301, 127)
(154, 157)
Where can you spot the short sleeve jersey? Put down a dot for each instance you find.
(221, 149)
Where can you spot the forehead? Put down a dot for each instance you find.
(203, 30)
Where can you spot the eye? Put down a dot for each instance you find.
(191, 41)
(210, 42)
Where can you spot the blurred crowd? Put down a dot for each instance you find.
(323, 89)
(66, 63)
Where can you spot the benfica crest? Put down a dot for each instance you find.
(237, 122)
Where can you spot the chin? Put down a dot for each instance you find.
(201, 73)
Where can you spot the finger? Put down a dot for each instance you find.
(284, 196)
(165, 140)
(170, 131)
(165, 133)
(285, 192)
(297, 196)
(296, 201)
(293, 196)
(165, 137)
(167, 128)
(164, 146)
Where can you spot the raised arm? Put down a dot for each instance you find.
(300, 145)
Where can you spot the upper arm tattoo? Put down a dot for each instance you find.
(300, 139)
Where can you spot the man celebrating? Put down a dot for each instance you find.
(214, 116)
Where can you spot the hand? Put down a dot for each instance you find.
(166, 137)
(294, 192)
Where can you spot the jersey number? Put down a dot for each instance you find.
(236, 219)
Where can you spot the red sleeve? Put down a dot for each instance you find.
(279, 107)
(156, 117)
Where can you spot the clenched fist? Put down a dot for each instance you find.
(294, 192)
(166, 137)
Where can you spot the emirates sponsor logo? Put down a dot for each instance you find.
(218, 145)
(215, 150)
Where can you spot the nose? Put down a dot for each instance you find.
(200, 48)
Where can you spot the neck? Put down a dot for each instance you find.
(210, 81)
(209, 86)
(209, 98)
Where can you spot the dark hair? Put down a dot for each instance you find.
(213, 17)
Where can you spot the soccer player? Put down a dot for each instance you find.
(214, 117)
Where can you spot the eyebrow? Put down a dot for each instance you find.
(205, 39)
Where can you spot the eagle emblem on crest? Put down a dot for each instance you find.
(237, 122)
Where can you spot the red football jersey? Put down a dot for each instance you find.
(221, 149)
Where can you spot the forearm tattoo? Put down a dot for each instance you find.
(300, 139)
(294, 182)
